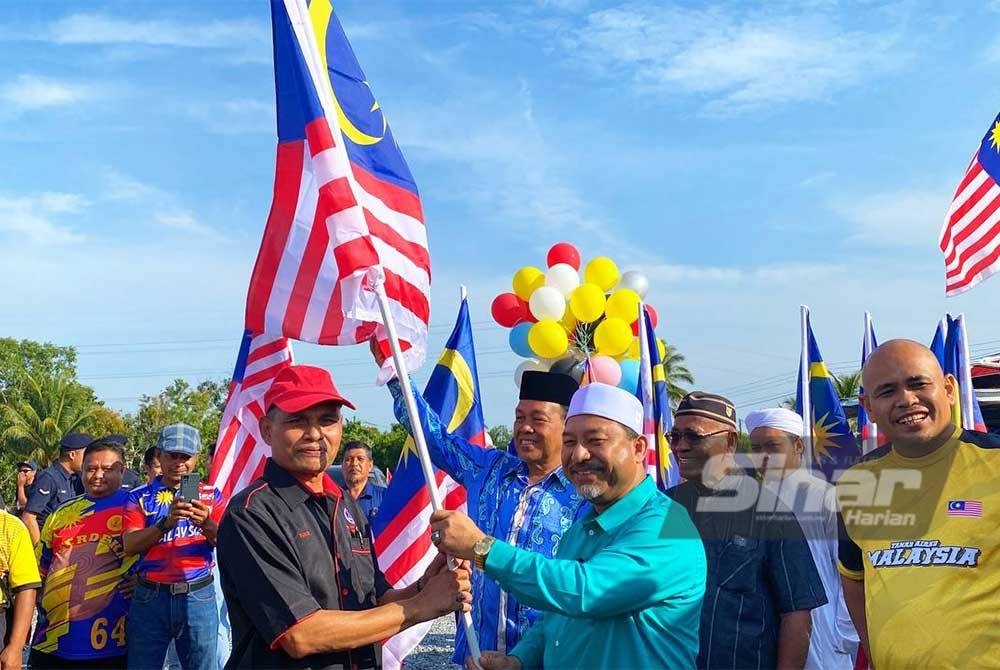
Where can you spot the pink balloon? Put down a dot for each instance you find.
(605, 370)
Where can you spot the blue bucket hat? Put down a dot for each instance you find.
(179, 438)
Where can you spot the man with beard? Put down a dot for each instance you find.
(523, 498)
(86, 591)
(762, 581)
(629, 574)
(919, 556)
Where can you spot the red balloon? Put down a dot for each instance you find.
(654, 319)
(564, 252)
(509, 310)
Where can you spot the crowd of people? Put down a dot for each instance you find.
(568, 556)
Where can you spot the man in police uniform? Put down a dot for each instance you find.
(298, 567)
(56, 484)
(919, 556)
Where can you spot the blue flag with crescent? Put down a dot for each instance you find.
(937, 343)
(657, 420)
(834, 448)
(957, 364)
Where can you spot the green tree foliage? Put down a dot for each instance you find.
(199, 406)
(20, 359)
(677, 374)
(501, 436)
(848, 385)
(48, 408)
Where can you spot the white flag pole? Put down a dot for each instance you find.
(418, 437)
(965, 378)
(807, 424)
(869, 345)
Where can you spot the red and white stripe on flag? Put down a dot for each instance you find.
(240, 452)
(336, 228)
(970, 238)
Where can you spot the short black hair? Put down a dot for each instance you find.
(104, 444)
(149, 455)
(357, 444)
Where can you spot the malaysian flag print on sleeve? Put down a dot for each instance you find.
(970, 238)
(240, 452)
(345, 211)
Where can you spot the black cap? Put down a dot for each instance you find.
(548, 387)
(120, 440)
(30, 464)
(74, 441)
(709, 405)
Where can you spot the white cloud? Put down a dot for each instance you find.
(103, 29)
(36, 218)
(167, 208)
(707, 274)
(236, 116)
(184, 222)
(733, 63)
(905, 217)
(33, 92)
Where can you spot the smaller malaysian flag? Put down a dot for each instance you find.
(965, 508)
(970, 237)
(240, 452)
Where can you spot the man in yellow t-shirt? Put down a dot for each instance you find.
(920, 549)
(19, 574)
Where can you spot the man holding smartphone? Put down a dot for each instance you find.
(172, 522)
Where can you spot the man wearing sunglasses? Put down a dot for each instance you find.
(26, 471)
(762, 581)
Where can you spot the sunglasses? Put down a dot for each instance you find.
(691, 437)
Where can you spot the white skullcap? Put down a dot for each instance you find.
(777, 417)
(609, 402)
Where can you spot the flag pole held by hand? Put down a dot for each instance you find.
(418, 437)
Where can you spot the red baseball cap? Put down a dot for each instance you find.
(299, 387)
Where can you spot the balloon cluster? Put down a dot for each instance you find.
(575, 326)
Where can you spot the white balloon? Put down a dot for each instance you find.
(563, 277)
(547, 302)
(635, 280)
(530, 364)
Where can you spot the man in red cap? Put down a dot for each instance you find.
(298, 568)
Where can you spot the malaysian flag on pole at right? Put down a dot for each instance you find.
(345, 216)
(970, 238)
(240, 452)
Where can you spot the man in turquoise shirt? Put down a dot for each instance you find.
(626, 584)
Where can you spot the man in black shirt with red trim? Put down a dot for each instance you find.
(298, 568)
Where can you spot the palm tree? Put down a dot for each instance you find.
(50, 408)
(676, 373)
(848, 385)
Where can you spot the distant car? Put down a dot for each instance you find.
(376, 476)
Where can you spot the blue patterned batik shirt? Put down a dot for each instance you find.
(503, 504)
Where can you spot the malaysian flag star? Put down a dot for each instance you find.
(919, 580)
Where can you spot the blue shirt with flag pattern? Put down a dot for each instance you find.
(497, 483)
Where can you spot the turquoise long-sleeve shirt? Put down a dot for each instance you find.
(623, 591)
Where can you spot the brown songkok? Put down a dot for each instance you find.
(716, 407)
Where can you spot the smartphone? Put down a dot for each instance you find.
(190, 484)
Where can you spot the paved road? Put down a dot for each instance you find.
(434, 653)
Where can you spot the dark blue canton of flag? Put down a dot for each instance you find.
(657, 420)
(956, 364)
(834, 448)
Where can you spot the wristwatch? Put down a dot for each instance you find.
(161, 525)
(481, 549)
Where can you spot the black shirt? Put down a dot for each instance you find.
(282, 560)
(130, 479)
(53, 486)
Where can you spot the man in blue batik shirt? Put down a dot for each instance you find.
(524, 499)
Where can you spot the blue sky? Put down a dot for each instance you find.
(748, 158)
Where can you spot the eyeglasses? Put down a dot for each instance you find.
(691, 437)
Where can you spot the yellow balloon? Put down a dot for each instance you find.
(586, 302)
(612, 337)
(633, 349)
(623, 304)
(569, 321)
(548, 339)
(526, 280)
(603, 272)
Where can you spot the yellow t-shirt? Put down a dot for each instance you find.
(17, 556)
(924, 535)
